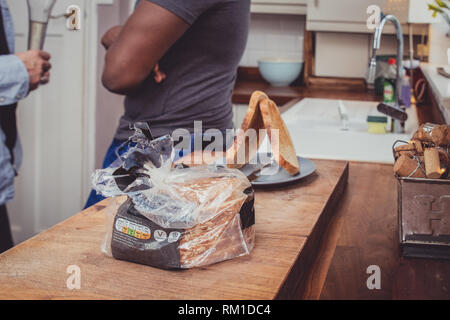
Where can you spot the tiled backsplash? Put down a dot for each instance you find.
(279, 36)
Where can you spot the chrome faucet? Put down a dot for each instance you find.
(396, 111)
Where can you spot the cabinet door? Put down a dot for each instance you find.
(281, 2)
(342, 15)
(279, 6)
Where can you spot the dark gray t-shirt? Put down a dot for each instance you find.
(200, 67)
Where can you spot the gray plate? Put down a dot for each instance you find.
(281, 177)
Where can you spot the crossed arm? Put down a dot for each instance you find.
(146, 36)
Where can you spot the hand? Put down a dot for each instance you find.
(110, 36)
(158, 75)
(38, 66)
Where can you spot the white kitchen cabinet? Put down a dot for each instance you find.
(351, 15)
(413, 11)
(341, 55)
(342, 15)
(297, 7)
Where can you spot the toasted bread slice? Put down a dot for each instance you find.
(253, 120)
(282, 148)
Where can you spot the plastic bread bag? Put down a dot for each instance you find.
(174, 217)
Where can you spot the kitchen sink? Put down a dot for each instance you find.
(317, 131)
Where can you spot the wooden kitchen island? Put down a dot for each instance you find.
(290, 223)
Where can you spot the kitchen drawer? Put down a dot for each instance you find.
(350, 16)
(296, 7)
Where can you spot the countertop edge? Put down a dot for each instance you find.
(430, 73)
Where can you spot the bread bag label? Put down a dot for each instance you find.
(140, 240)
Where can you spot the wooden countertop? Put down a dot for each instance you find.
(364, 232)
(439, 84)
(290, 223)
(249, 80)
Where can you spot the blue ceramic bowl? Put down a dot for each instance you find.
(280, 72)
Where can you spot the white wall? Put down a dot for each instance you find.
(272, 35)
(109, 106)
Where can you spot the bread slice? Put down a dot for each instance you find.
(283, 149)
(253, 120)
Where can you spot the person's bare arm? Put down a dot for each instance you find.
(111, 36)
(144, 39)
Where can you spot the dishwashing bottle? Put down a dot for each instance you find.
(406, 91)
(389, 82)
